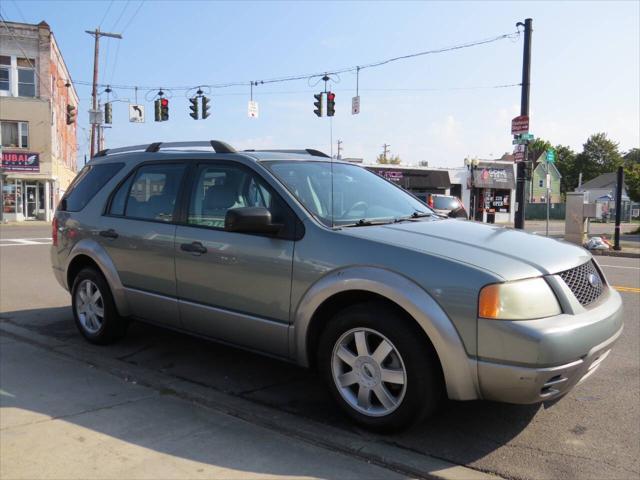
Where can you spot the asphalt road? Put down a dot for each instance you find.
(591, 433)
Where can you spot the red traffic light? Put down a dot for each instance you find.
(331, 96)
(164, 102)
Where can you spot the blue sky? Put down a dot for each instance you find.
(585, 71)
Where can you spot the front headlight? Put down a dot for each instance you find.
(520, 300)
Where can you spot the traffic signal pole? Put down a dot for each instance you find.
(94, 92)
(521, 171)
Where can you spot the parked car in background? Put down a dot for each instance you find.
(447, 205)
(330, 266)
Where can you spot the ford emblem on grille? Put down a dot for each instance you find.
(594, 281)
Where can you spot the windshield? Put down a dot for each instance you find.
(359, 196)
(446, 203)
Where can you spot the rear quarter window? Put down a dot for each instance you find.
(88, 182)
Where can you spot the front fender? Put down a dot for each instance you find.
(459, 370)
(99, 255)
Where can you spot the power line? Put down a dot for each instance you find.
(291, 78)
(105, 14)
(19, 11)
(126, 5)
(133, 16)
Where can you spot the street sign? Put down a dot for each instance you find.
(520, 125)
(96, 117)
(136, 113)
(252, 110)
(355, 105)
(551, 156)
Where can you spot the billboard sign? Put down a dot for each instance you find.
(20, 161)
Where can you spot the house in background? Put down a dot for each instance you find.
(536, 191)
(38, 139)
(602, 191)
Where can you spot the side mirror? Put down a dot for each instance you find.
(250, 220)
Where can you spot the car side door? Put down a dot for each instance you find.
(234, 286)
(139, 236)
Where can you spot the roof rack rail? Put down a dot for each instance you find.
(304, 151)
(217, 145)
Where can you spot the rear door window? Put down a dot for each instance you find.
(85, 186)
(150, 194)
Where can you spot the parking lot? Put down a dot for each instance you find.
(251, 409)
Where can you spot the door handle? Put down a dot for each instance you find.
(193, 247)
(111, 233)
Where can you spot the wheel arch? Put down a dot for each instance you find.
(89, 253)
(354, 285)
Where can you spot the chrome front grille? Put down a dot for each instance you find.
(585, 282)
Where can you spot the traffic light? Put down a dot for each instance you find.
(71, 114)
(164, 109)
(318, 104)
(108, 113)
(194, 108)
(205, 107)
(157, 110)
(331, 104)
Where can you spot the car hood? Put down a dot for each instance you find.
(511, 254)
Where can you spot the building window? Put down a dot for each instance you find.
(14, 134)
(26, 77)
(5, 73)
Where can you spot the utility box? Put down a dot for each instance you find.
(589, 210)
(574, 223)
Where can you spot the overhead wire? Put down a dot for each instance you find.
(290, 78)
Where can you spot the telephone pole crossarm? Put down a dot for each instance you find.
(95, 138)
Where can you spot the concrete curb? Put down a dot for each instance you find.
(615, 253)
(362, 445)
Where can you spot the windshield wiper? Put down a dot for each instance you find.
(414, 215)
(363, 222)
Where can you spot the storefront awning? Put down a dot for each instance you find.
(494, 176)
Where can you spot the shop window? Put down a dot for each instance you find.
(5, 73)
(26, 77)
(14, 134)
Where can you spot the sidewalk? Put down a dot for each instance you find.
(60, 418)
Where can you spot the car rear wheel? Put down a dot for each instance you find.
(94, 310)
(380, 368)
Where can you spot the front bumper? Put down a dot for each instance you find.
(537, 360)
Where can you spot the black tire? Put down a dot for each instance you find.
(424, 388)
(113, 326)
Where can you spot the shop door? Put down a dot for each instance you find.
(31, 201)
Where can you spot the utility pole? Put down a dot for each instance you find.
(385, 151)
(339, 156)
(521, 169)
(94, 93)
(619, 187)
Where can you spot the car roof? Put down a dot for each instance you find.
(209, 150)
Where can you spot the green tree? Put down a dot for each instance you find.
(391, 160)
(632, 173)
(566, 164)
(537, 148)
(599, 155)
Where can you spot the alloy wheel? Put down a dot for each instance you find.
(369, 372)
(89, 306)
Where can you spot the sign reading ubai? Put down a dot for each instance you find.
(20, 161)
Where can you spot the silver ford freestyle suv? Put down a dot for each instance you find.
(327, 265)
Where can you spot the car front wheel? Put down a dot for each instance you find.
(380, 368)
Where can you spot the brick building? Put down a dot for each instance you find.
(39, 148)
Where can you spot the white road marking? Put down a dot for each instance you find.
(21, 242)
(619, 266)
